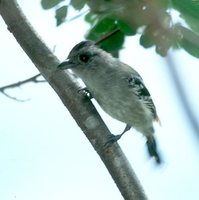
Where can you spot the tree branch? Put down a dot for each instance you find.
(13, 98)
(80, 108)
(18, 84)
(182, 95)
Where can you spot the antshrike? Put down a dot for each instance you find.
(118, 89)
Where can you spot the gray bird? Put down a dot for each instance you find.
(117, 88)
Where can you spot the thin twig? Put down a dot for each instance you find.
(106, 36)
(77, 16)
(14, 98)
(18, 84)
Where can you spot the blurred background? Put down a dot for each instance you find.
(43, 153)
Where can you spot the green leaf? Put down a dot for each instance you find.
(164, 4)
(189, 10)
(104, 25)
(78, 4)
(47, 4)
(148, 37)
(187, 40)
(161, 38)
(161, 50)
(192, 22)
(125, 28)
(187, 7)
(91, 18)
(113, 44)
(146, 41)
(163, 43)
(61, 14)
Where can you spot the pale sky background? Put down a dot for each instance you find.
(45, 156)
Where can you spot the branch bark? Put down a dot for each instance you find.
(80, 108)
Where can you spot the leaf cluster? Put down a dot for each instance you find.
(152, 20)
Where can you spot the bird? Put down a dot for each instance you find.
(118, 88)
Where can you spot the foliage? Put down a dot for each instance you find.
(152, 20)
(47, 4)
(61, 14)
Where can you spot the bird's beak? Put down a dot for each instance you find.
(67, 64)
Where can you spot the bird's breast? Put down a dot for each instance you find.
(111, 91)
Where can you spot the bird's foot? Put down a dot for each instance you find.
(112, 139)
(85, 92)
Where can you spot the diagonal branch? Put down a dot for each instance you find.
(182, 94)
(80, 108)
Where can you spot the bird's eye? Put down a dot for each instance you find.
(84, 58)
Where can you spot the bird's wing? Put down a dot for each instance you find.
(136, 83)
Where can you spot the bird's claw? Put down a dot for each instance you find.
(112, 139)
(85, 92)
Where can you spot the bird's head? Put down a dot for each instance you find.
(85, 57)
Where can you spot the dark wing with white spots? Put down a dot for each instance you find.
(140, 90)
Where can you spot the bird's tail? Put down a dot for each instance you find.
(152, 149)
